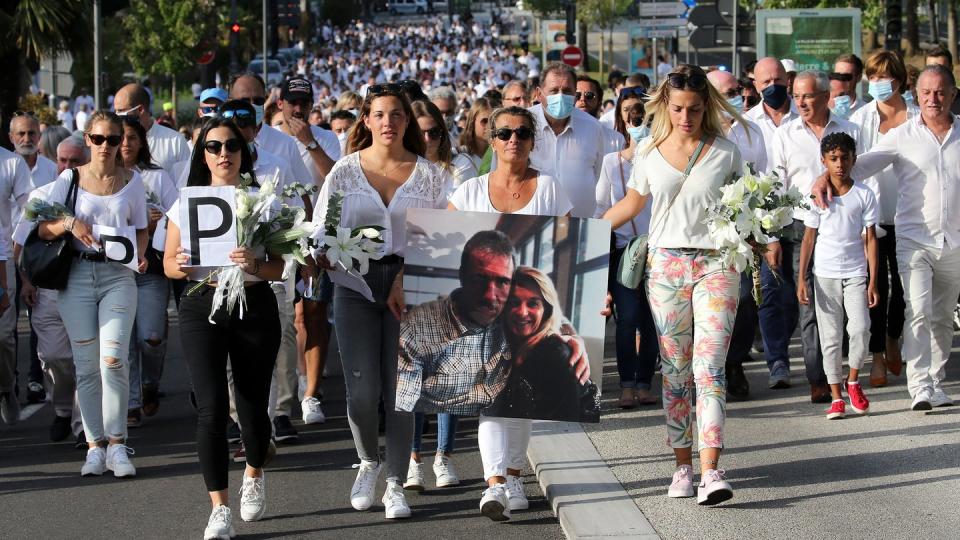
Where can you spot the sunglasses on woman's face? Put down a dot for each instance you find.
(505, 134)
(694, 81)
(214, 147)
(434, 133)
(111, 140)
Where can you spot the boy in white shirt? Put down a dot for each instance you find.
(845, 269)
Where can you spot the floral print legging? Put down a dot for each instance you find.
(693, 298)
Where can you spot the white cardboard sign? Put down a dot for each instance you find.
(119, 244)
(208, 229)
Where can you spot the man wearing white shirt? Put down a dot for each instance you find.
(167, 146)
(14, 185)
(752, 148)
(84, 98)
(569, 142)
(589, 96)
(795, 157)
(925, 154)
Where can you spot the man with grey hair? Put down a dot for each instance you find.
(72, 152)
(796, 158)
(569, 142)
(446, 100)
(25, 135)
(925, 155)
(515, 94)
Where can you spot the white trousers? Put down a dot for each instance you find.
(503, 444)
(931, 284)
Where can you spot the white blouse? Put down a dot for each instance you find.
(548, 200)
(682, 226)
(363, 206)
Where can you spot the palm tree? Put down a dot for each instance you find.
(31, 30)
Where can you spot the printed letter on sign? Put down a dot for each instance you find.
(118, 244)
(208, 231)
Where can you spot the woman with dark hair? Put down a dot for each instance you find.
(474, 141)
(148, 343)
(250, 342)
(632, 308)
(100, 301)
(383, 175)
(681, 168)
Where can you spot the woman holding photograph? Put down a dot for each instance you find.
(383, 175)
(250, 342)
(513, 187)
(693, 295)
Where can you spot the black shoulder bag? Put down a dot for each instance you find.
(46, 263)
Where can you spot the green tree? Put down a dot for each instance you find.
(164, 37)
(543, 8)
(603, 14)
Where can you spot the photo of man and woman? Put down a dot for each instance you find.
(503, 315)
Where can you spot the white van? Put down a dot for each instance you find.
(407, 7)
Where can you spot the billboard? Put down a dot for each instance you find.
(812, 39)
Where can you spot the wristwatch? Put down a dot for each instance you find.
(313, 145)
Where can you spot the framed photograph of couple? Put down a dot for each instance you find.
(503, 315)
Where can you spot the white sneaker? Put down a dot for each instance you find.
(118, 462)
(96, 463)
(445, 472)
(220, 524)
(922, 400)
(515, 496)
(713, 488)
(394, 502)
(940, 398)
(361, 495)
(253, 498)
(494, 503)
(312, 412)
(415, 481)
(682, 485)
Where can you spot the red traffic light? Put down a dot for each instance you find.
(235, 28)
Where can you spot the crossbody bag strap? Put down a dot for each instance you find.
(683, 179)
(623, 182)
(71, 200)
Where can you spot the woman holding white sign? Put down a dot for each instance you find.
(383, 176)
(250, 337)
(100, 302)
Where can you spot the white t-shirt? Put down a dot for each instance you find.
(548, 200)
(328, 143)
(159, 188)
(683, 226)
(285, 148)
(465, 166)
(125, 208)
(839, 251)
(166, 146)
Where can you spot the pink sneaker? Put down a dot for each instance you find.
(837, 410)
(682, 485)
(858, 402)
(713, 489)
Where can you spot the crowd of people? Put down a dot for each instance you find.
(454, 117)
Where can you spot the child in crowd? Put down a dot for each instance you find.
(845, 270)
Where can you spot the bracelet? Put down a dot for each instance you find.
(68, 223)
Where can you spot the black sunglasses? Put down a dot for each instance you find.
(22, 113)
(434, 133)
(389, 88)
(587, 96)
(242, 117)
(207, 109)
(845, 77)
(628, 91)
(214, 147)
(254, 100)
(694, 81)
(505, 134)
(112, 140)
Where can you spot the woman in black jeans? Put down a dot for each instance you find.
(219, 158)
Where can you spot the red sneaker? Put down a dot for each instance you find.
(837, 410)
(858, 401)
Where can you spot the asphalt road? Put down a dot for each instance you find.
(42, 494)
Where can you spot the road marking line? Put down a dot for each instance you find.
(28, 411)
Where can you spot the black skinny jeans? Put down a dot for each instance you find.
(251, 344)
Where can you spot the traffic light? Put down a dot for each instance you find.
(894, 27)
(235, 28)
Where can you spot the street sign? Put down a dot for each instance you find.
(660, 32)
(676, 21)
(662, 9)
(572, 56)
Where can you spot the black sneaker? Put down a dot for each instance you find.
(36, 393)
(738, 388)
(284, 430)
(81, 442)
(151, 400)
(233, 432)
(60, 428)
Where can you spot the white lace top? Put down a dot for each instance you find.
(362, 205)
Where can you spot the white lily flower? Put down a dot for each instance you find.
(370, 232)
(342, 247)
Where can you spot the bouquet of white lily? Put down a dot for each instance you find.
(352, 248)
(750, 210)
(38, 210)
(295, 190)
(263, 230)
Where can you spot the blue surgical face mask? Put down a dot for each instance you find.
(258, 109)
(881, 90)
(908, 97)
(736, 103)
(841, 106)
(560, 106)
(638, 133)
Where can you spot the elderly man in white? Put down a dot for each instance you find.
(925, 155)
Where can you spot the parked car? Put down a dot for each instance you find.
(274, 71)
(407, 7)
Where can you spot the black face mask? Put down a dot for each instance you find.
(775, 95)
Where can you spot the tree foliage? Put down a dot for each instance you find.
(602, 13)
(544, 7)
(164, 37)
(41, 28)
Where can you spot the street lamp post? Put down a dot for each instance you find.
(96, 55)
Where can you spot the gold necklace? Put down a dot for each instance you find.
(386, 172)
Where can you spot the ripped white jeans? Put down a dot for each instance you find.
(98, 308)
